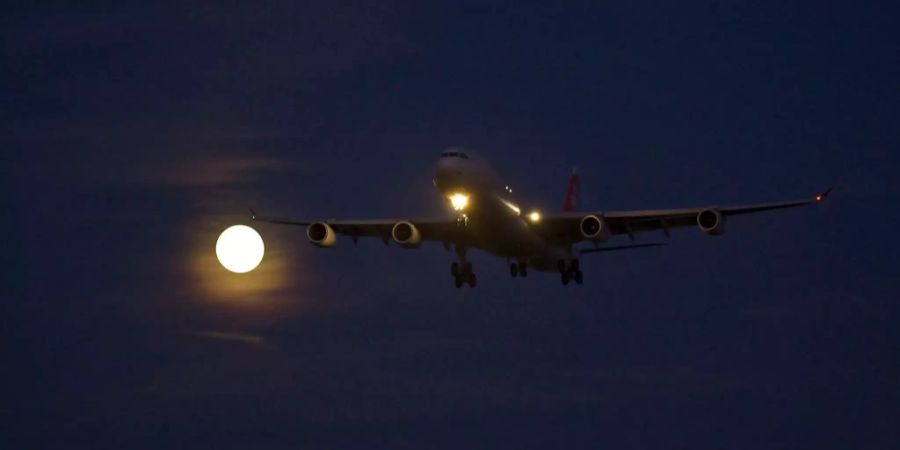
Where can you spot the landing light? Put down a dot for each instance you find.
(512, 206)
(459, 201)
(534, 216)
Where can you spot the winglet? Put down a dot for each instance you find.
(823, 195)
(252, 214)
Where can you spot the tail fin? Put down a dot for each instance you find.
(573, 192)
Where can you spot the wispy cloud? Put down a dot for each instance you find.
(215, 171)
(231, 336)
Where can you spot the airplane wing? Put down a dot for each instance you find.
(564, 227)
(430, 229)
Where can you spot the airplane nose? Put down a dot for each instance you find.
(448, 175)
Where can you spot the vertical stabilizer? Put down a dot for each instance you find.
(573, 192)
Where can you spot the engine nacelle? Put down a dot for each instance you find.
(594, 228)
(406, 234)
(321, 234)
(711, 222)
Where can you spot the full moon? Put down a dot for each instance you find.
(240, 249)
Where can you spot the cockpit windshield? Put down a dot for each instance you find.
(454, 154)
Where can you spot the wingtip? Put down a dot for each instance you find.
(824, 195)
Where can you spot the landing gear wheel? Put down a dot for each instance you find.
(523, 269)
(513, 270)
(578, 277)
(462, 274)
(575, 265)
(564, 277)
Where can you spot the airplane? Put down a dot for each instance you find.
(489, 218)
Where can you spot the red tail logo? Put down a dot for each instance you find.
(573, 192)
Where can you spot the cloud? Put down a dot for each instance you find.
(274, 284)
(211, 171)
(234, 337)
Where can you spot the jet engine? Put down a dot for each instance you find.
(711, 222)
(321, 234)
(406, 234)
(594, 228)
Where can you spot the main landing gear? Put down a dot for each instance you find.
(518, 269)
(570, 272)
(462, 274)
(462, 270)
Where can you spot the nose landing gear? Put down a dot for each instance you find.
(462, 220)
(462, 271)
(572, 272)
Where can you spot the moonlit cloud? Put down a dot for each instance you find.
(231, 336)
(274, 284)
(215, 171)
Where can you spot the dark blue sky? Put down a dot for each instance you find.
(132, 136)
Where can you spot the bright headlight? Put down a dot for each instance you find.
(459, 201)
(534, 216)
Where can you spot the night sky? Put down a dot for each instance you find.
(132, 136)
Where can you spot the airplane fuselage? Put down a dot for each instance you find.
(501, 225)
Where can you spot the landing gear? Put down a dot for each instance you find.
(570, 272)
(465, 278)
(518, 269)
(462, 270)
